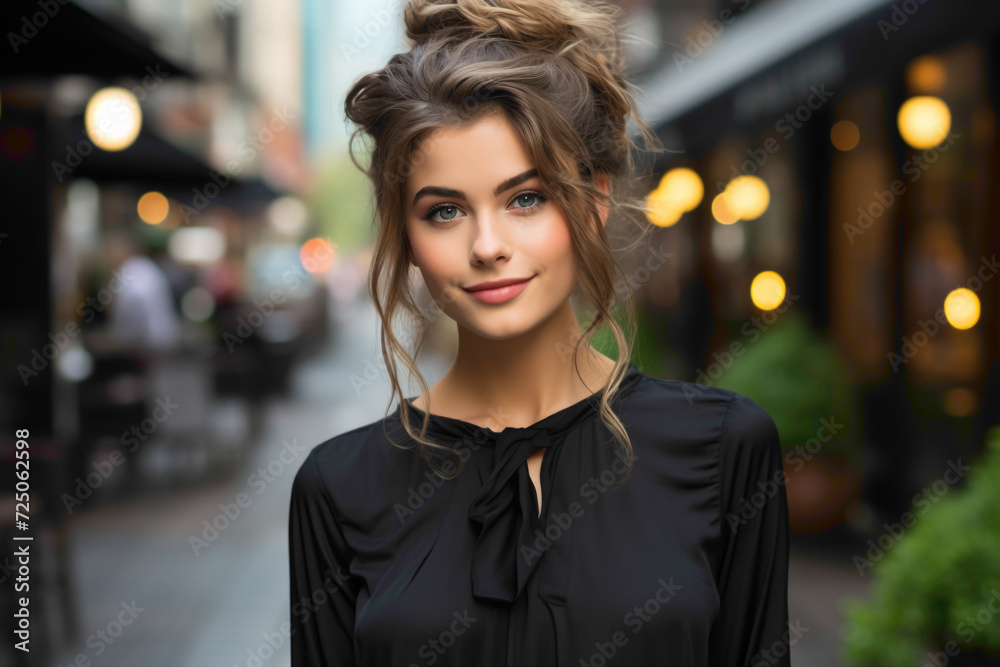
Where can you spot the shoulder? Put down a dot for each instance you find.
(359, 471)
(698, 413)
(748, 424)
(680, 404)
(325, 465)
(336, 456)
(749, 449)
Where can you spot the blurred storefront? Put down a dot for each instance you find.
(160, 281)
(865, 133)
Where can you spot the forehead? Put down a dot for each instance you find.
(472, 158)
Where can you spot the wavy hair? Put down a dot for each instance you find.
(554, 69)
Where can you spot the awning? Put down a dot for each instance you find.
(151, 163)
(67, 39)
(769, 60)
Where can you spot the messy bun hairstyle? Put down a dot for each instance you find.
(554, 69)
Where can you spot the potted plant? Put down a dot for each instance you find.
(936, 591)
(797, 377)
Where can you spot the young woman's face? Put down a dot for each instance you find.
(475, 213)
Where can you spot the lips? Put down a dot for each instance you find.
(494, 284)
(498, 291)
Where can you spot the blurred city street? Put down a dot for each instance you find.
(216, 607)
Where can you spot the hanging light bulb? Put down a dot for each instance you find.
(924, 121)
(113, 118)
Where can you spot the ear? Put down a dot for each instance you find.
(602, 184)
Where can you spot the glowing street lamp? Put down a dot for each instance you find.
(924, 121)
(767, 290)
(747, 197)
(113, 118)
(153, 208)
(961, 307)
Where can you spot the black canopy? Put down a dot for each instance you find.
(52, 39)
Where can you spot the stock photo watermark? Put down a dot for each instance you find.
(751, 329)
(708, 33)
(967, 630)
(104, 468)
(247, 150)
(107, 126)
(32, 23)
(432, 650)
(636, 619)
(749, 507)
(259, 480)
(781, 647)
(922, 501)
(930, 327)
(104, 637)
(60, 340)
(900, 14)
(264, 308)
(786, 125)
(884, 200)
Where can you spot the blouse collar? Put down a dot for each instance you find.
(554, 425)
(502, 511)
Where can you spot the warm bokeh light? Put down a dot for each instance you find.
(844, 135)
(747, 197)
(113, 118)
(926, 74)
(924, 121)
(317, 255)
(721, 212)
(767, 290)
(660, 211)
(153, 208)
(682, 188)
(961, 307)
(960, 402)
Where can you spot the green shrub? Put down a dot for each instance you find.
(940, 576)
(798, 378)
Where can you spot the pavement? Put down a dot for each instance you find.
(156, 586)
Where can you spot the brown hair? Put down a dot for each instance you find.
(554, 69)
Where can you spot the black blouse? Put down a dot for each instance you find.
(686, 564)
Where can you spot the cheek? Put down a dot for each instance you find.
(436, 259)
(553, 246)
(431, 259)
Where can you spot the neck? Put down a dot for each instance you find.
(518, 381)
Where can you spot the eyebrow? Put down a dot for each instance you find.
(448, 192)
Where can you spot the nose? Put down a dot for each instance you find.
(490, 243)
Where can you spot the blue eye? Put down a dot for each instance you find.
(444, 207)
(530, 194)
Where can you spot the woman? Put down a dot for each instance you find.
(542, 503)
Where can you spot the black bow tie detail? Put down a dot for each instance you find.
(503, 511)
(503, 508)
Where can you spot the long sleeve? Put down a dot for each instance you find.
(752, 625)
(323, 593)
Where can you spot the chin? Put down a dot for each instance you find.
(497, 330)
(495, 324)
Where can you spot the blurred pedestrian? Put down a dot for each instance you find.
(142, 314)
